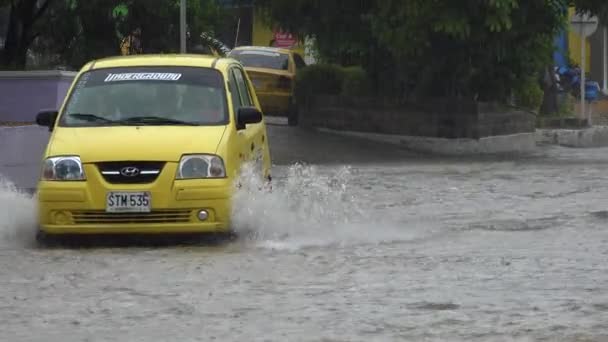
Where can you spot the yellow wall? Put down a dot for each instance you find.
(262, 34)
(574, 45)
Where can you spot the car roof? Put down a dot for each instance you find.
(264, 48)
(191, 60)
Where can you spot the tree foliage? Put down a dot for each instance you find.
(23, 28)
(481, 49)
(343, 26)
(76, 31)
(477, 49)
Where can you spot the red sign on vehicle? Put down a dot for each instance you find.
(284, 40)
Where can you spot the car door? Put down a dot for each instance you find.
(298, 62)
(251, 139)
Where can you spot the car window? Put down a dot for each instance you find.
(125, 95)
(243, 89)
(234, 93)
(299, 61)
(261, 59)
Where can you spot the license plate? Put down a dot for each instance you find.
(128, 202)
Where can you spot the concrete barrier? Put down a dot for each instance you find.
(21, 150)
(596, 136)
(25, 93)
(503, 144)
(444, 125)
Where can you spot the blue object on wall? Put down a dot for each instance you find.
(592, 90)
(561, 50)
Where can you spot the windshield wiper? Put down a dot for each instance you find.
(90, 117)
(157, 120)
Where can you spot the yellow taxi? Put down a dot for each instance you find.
(150, 144)
(273, 71)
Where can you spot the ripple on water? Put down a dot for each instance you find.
(434, 306)
(517, 225)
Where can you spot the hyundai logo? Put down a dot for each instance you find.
(129, 171)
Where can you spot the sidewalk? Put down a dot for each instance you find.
(596, 136)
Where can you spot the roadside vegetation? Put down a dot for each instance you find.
(491, 50)
(485, 50)
(69, 33)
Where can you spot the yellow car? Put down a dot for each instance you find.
(150, 144)
(273, 72)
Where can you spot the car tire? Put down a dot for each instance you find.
(292, 114)
(45, 240)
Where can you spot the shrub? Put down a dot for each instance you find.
(318, 79)
(529, 94)
(565, 106)
(331, 79)
(355, 82)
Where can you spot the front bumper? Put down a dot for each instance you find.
(79, 207)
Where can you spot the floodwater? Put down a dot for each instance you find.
(362, 242)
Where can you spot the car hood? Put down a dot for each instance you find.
(164, 143)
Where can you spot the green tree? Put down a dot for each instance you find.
(159, 21)
(23, 27)
(343, 32)
(479, 49)
(76, 31)
(342, 26)
(474, 49)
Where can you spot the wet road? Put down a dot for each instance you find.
(364, 242)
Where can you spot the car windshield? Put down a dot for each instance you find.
(261, 59)
(147, 96)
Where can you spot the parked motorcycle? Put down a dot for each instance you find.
(569, 81)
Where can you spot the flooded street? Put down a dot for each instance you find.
(361, 242)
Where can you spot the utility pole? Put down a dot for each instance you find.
(585, 25)
(583, 80)
(238, 27)
(182, 26)
(606, 59)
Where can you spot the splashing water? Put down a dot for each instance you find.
(304, 209)
(17, 214)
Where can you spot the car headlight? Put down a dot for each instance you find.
(68, 168)
(201, 166)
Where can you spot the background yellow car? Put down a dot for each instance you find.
(273, 72)
(150, 144)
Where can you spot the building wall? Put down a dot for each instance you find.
(21, 151)
(574, 44)
(262, 34)
(596, 42)
(594, 64)
(25, 93)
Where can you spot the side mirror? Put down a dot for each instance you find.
(46, 118)
(247, 115)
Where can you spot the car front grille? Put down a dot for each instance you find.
(143, 172)
(159, 216)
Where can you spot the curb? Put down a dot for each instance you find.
(591, 137)
(504, 144)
